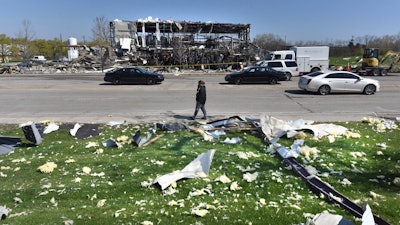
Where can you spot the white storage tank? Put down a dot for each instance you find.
(72, 41)
(73, 52)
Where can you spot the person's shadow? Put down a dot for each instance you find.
(181, 117)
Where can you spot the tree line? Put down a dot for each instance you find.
(25, 46)
(338, 48)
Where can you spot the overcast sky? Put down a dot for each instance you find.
(292, 20)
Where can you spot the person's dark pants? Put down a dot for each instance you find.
(202, 107)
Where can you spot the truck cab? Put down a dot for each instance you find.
(370, 57)
(280, 55)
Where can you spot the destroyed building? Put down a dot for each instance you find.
(189, 44)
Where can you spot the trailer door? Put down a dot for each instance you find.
(304, 64)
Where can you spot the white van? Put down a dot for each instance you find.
(38, 59)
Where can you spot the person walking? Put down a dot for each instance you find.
(200, 100)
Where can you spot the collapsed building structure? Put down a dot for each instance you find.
(191, 44)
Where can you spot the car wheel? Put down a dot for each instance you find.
(370, 89)
(116, 81)
(238, 81)
(384, 72)
(288, 76)
(324, 90)
(273, 81)
(150, 81)
(315, 69)
(375, 72)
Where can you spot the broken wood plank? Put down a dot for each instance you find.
(153, 140)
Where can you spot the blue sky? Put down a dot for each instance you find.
(292, 20)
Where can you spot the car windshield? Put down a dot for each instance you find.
(315, 74)
(141, 70)
(260, 63)
(249, 68)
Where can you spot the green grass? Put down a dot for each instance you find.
(53, 198)
(343, 61)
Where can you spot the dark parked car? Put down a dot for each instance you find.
(133, 76)
(256, 74)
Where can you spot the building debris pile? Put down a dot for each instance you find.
(88, 59)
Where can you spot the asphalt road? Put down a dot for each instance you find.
(85, 98)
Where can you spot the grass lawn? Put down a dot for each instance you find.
(93, 184)
(343, 61)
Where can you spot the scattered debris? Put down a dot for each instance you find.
(3, 212)
(8, 143)
(87, 130)
(50, 128)
(293, 152)
(381, 124)
(47, 167)
(33, 132)
(153, 140)
(197, 168)
(172, 126)
(215, 133)
(219, 123)
(111, 143)
(213, 130)
(382, 145)
(206, 135)
(368, 217)
(82, 131)
(232, 140)
(201, 165)
(272, 129)
(91, 144)
(250, 177)
(74, 130)
(115, 123)
(396, 181)
(329, 219)
(139, 141)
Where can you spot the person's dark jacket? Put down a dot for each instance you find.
(201, 94)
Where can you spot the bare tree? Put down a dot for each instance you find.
(27, 32)
(268, 42)
(101, 31)
(178, 51)
(26, 36)
(101, 37)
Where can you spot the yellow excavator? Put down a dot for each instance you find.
(374, 65)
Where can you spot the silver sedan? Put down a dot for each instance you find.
(339, 82)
